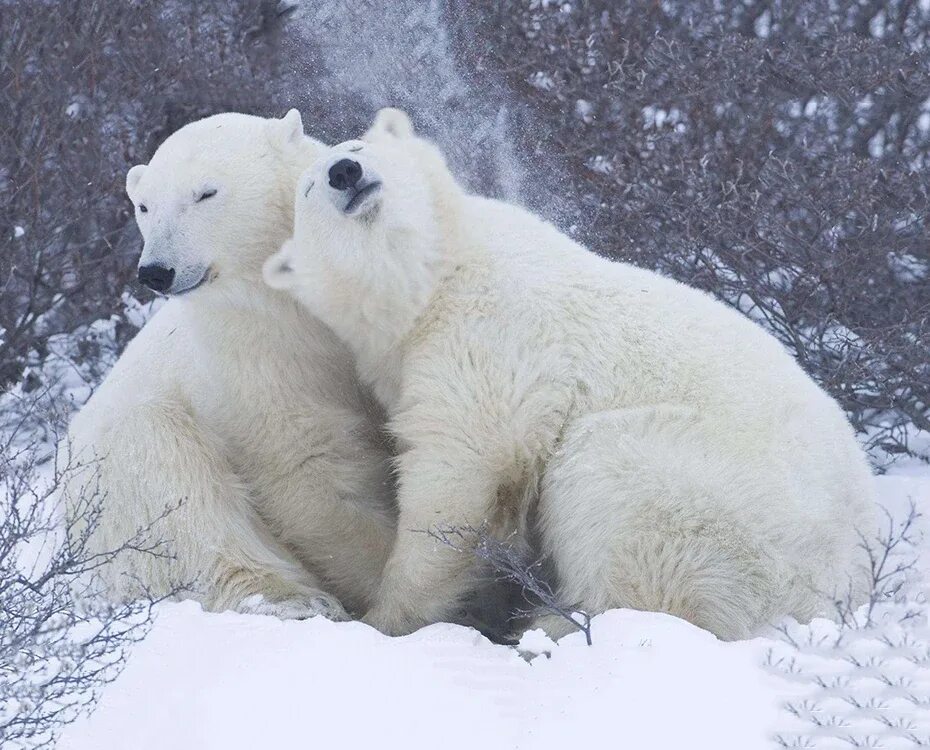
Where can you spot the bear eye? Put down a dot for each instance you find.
(143, 208)
(355, 148)
(206, 194)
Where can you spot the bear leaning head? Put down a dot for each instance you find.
(375, 212)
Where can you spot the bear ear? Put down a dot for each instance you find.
(391, 121)
(132, 178)
(291, 127)
(277, 270)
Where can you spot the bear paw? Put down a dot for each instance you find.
(391, 621)
(296, 608)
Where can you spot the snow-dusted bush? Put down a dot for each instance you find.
(87, 89)
(508, 563)
(61, 639)
(863, 680)
(776, 154)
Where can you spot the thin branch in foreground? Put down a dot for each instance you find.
(62, 637)
(864, 670)
(507, 564)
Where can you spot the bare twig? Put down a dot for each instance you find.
(62, 637)
(507, 563)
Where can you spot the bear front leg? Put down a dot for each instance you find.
(425, 579)
(156, 461)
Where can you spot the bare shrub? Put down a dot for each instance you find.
(866, 675)
(87, 89)
(508, 563)
(892, 559)
(773, 153)
(61, 638)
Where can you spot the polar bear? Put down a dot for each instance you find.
(233, 402)
(665, 452)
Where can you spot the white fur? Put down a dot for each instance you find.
(235, 401)
(669, 454)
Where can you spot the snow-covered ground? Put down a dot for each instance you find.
(240, 681)
(230, 681)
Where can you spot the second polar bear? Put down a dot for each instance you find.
(232, 405)
(668, 454)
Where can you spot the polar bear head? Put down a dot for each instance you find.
(373, 225)
(216, 199)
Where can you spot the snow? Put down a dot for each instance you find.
(542, 81)
(763, 25)
(407, 60)
(906, 267)
(585, 111)
(600, 164)
(229, 681)
(239, 681)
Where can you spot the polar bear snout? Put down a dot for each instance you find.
(354, 187)
(165, 279)
(344, 174)
(156, 277)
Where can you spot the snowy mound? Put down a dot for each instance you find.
(242, 681)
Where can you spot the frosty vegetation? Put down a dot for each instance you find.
(505, 562)
(773, 153)
(866, 678)
(61, 639)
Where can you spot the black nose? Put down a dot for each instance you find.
(344, 174)
(157, 278)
